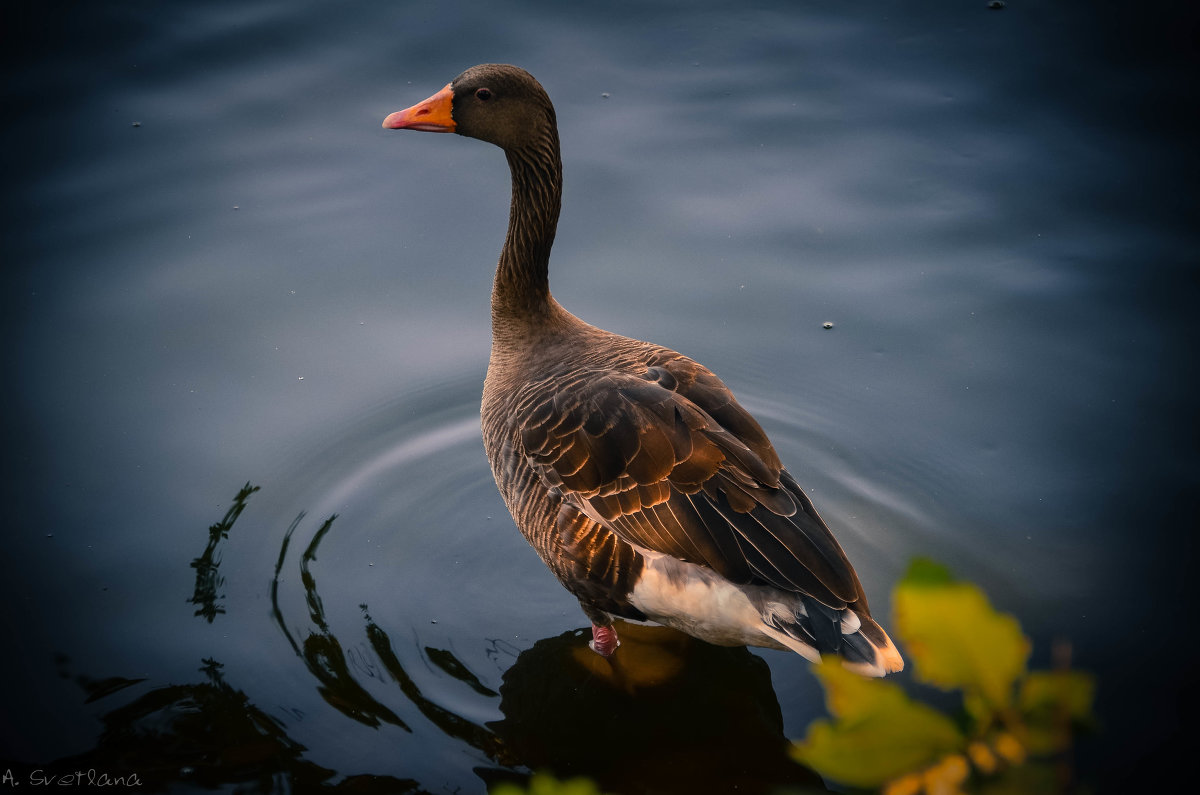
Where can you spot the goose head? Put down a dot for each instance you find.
(501, 104)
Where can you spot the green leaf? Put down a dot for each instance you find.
(546, 784)
(1027, 779)
(1052, 703)
(879, 733)
(1071, 692)
(923, 571)
(956, 639)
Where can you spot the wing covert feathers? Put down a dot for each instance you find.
(671, 463)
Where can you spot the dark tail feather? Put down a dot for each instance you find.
(867, 650)
(826, 625)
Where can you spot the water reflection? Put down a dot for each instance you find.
(320, 650)
(211, 735)
(207, 566)
(667, 714)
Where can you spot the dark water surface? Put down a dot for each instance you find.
(220, 270)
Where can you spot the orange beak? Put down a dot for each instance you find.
(432, 115)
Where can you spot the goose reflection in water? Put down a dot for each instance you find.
(674, 714)
(669, 714)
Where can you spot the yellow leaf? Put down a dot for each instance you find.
(946, 776)
(983, 758)
(1009, 747)
(955, 638)
(909, 784)
(878, 734)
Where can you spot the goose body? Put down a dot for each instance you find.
(632, 470)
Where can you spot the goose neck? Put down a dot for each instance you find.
(522, 287)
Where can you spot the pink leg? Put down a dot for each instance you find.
(604, 640)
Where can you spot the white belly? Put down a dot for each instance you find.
(701, 603)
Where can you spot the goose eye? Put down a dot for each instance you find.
(483, 94)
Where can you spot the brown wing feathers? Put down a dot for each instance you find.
(671, 463)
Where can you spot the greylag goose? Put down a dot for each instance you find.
(632, 471)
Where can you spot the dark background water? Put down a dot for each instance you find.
(219, 269)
